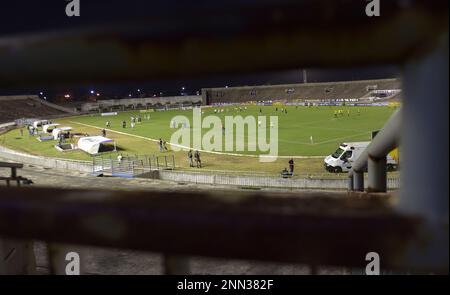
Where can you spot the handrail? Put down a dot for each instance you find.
(215, 46)
(230, 225)
(385, 141)
(374, 157)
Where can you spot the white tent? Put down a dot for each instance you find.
(57, 131)
(49, 127)
(39, 123)
(92, 144)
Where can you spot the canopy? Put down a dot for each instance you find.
(49, 126)
(92, 144)
(57, 131)
(39, 123)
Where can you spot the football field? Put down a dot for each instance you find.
(296, 128)
(304, 132)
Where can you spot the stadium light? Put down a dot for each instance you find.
(45, 97)
(183, 88)
(129, 95)
(98, 94)
(139, 90)
(92, 91)
(67, 95)
(41, 93)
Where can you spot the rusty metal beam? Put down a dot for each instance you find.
(314, 228)
(233, 38)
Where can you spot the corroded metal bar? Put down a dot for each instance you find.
(232, 38)
(313, 227)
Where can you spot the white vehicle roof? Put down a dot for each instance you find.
(361, 144)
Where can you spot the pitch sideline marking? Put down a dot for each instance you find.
(187, 148)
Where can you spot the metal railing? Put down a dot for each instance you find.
(374, 156)
(131, 165)
(19, 180)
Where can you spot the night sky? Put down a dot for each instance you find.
(27, 17)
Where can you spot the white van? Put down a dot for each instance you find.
(342, 159)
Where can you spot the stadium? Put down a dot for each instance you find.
(305, 169)
(317, 121)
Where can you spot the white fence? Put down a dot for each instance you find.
(55, 163)
(262, 181)
(180, 176)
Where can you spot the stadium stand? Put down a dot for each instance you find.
(318, 91)
(139, 103)
(27, 106)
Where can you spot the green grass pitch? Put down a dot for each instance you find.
(294, 133)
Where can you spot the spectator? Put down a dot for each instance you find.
(291, 167)
(160, 145)
(198, 161)
(21, 132)
(103, 132)
(191, 163)
(285, 173)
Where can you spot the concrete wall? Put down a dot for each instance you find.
(45, 162)
(90, 106)
(180, 176)
(253, 181)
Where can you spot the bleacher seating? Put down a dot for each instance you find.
(314, 91)
(12, 108)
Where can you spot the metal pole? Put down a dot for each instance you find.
(376, 173)
(425, 143)
(358, 181)
(425, 153)
(350, 182)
